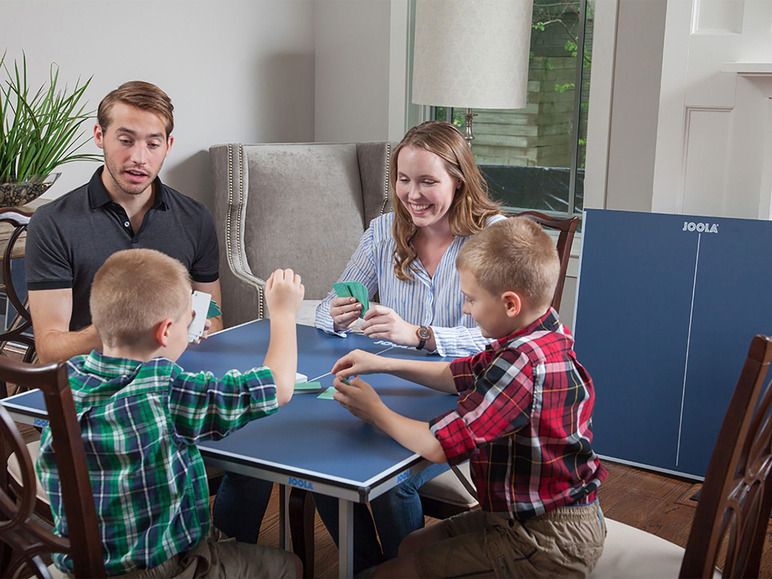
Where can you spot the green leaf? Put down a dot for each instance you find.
(40, 129)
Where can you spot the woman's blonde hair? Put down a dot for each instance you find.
(133, 291)
(471, 207)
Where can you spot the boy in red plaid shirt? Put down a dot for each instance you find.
(523, 419)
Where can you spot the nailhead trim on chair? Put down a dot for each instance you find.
(240, 269)
(387, 185)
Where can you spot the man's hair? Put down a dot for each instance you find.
(471, 206)
(140, 94)
(134, 290)
(514, 254)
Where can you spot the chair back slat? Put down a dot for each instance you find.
(736, 497)
(24, 538)
(567, 228)
(18, 329)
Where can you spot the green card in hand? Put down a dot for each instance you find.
(353, 289)
(214, 310)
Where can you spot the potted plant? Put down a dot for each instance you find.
(39, 131)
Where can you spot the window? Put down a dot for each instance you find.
(533, 158)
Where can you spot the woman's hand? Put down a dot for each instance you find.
(381, 322)
(359, 398)
(357, 362)
(344, 312)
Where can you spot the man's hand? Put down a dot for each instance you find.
(344, 312)
(358, 362)
(359, 398)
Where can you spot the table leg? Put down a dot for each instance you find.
(284, 528)
(345, 538)
(301, 523)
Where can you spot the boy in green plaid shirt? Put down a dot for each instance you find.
(141, 416)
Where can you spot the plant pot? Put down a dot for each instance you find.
(18, 194)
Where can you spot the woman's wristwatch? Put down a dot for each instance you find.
(423, 333)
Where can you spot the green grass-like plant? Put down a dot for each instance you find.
(39, 130)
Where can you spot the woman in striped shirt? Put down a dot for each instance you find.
(408, 257)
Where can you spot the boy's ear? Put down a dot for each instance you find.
(513, 303)
(161, 333)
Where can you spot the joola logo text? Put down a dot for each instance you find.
(404, 476)
(299, 482)
(700, 227)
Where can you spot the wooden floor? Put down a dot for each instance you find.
(653, 502)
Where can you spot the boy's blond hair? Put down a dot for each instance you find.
(134, 290)
(514, 254)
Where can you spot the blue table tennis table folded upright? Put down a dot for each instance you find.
(667, 306)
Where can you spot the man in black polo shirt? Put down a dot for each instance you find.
(124, 206)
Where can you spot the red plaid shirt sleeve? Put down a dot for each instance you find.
(491, 407)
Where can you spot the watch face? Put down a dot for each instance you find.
(424, 333)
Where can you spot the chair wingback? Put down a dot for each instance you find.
(302, 205)
(23, 539)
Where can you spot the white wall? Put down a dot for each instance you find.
(361, 70)
(624, 103)
(236, 71)
(680, 115)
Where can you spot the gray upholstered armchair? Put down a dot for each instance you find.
(301, 205)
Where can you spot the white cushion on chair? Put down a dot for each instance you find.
(634, 554)
(448, 489)
(15, 471)
(307, 313)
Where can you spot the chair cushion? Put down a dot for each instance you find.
(307, 312)
(632, 553)
(448, 489)
(15, 471)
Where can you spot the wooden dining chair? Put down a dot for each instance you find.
(566, 229)
(734, 505)
(19, 326)
(25, 541)
(452, 492)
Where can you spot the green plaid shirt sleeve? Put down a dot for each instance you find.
(140, 423)
(203, 407)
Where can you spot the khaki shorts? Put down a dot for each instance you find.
(566, 542)
(219, 557)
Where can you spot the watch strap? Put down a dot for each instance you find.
(423, 333)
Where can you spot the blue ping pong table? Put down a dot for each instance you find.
(310, 443)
